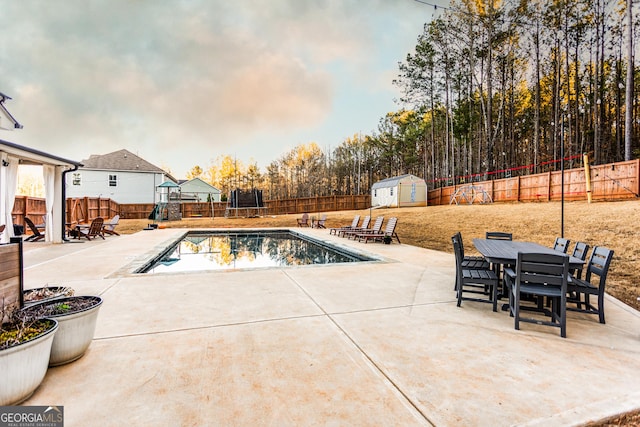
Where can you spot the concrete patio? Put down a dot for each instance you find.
(376, 343)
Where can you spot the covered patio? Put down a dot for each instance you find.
(54, 169)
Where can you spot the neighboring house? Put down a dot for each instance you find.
(400, 191)
(197, 190)
(121, 176)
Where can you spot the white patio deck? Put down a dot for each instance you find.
(358, 344)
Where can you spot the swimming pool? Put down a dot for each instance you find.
(240, 249)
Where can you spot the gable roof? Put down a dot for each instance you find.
(393, 181)
(122, 160)
(195, 184)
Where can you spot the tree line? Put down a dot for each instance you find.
(493, 88)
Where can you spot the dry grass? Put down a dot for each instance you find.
(610, 224)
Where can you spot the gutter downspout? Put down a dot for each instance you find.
(64, 201)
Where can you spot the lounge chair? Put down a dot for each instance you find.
(354, 224)
(363, 226)
(93, 230)
(389, 231)
(377, 226)
(109, 227)
(304, 221)
(37, 235)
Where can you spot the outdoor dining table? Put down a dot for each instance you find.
(505, 252)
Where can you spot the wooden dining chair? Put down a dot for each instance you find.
(539, 276)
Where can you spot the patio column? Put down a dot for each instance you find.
(8, 188)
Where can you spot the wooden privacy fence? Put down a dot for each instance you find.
(273, 207)
(613, 181)
(78, 209)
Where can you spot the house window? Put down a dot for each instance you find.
(77, 179)
(391, 191)
(113, 181)
(375, 193)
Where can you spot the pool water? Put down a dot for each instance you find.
(198, 251)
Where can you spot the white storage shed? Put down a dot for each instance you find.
(400, 191)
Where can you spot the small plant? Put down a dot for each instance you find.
(19, 326)
(387, 240)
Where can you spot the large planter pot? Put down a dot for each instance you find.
(76, 328)
(23, 367)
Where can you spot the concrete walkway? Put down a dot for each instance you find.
(376, 343)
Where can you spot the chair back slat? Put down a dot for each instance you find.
(498, 235)
(365, 222)
(542, 269)
(356, 220)
(391, 226)
(377, 226)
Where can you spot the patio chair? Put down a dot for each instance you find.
(37, 235)
(375, 228)
(598, 265)
(539, 276)
(579, 251)
(469, 261)
(389, 231)
(94, 230)
(498, 235)
(304, 221)
(354, 224)
(363, 226)
(561, 245)
(319, 223)
(109, 227)
(473, 281)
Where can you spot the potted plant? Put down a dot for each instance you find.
(76, 316)
(386, 240)
(25, 345)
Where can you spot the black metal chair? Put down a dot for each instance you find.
(37, 235)
(598, 265)
(539, 276)
(561, 245)
(498, 235)
(474, 281)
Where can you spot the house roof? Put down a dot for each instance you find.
(122, 160)
(198, 185)
(30, 156)
(393, 181)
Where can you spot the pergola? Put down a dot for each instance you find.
(54, 169)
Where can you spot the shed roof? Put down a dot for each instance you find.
(393, 181)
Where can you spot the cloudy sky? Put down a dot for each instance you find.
(183, 82)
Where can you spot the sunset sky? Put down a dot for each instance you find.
(183, 82)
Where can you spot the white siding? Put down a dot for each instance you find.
(132, 187)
